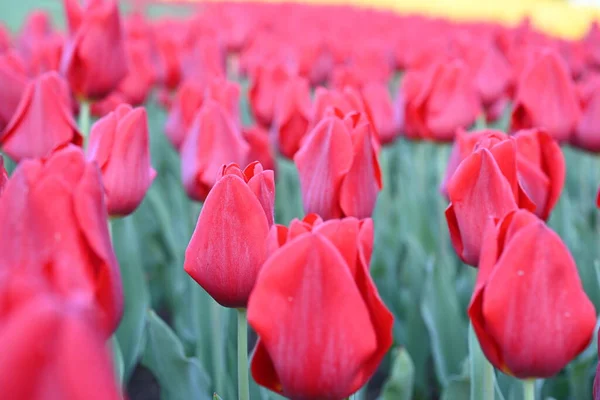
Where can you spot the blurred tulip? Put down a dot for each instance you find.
(347, 100)
(260, 146)
(388, 116)
(42, 121)
(52, 350)
(523, 332)
(5, 38)
(119, 144)
(39, 44)
(138, 82)
(94, 58)
(227, 94)
(265, 89)
(439, 100)
(13, 80)
(168, 46)
(315, 303)
(338, 167)
(3, 175)
(108, 104)
(292, 115)
(587, 134)
(188, 100)
(541, 169)
(55, 226)
(546, 98)
(229, 245)
(213, 140)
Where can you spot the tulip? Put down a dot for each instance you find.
(292, 115)
(541, 169)
(188, 100)
(229, 245)
(347, 101)
(387, 116)
(39, 45)
(213, 140)
(439, 100)
(52, 350)
(5, 38)
(227, 94)
(3, 175)
(523, 332)
(546, 97)
(42, 121)
(338, 167)
(94, 58)
(265, 89)
(138, 82)
(260, 146)
(314, 302)
(13, 80)
(55, 225)
(587, 134)
(485, 185)
(119, 144)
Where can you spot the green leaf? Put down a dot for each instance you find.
(180, 377)
(458, 388)
(117, 359)
(216, 397)
(444, 321)
(130, 333)
(399, 385)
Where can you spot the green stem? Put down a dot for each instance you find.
(529, 389)
(84, 118)
(488, 381)
(242, 346)
(217, 344)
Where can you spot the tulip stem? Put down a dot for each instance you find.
(242, 349)
(84, 118)
(529, 389)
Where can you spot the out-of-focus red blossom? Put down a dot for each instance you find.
(541, 169)
(39, 45)
(493, 75)
(165, 98)
(141, 75)
(169, 48)
(119, 143)
(55, 226)
(338, 167)
(13, 80)
(587, 134)
(518, 252)
(319, 269)
(205, 61)
(94, 58)
(387, 115)
(5, 38)
(260, 146)
(347, 100)
(546, 97)
(348, 75)
(227, 94)
(438, 100)
(229, 245)
(108, 104)
(265, 90)
(592, 45)
(187, 101)
(52, 347)
(484, 185)
(292, 115)
(213, 140)
(42, 121)
(3, 175)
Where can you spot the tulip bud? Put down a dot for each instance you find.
(524, 332)
(42, 121)
(119, 144)
(229, 245)
(315, 303)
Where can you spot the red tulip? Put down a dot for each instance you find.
(260, 146)
(541, 169)
(5, 38)
(13, 81)
(292, 115)
(108, 104)
(229, 245)
(529, 310)
(546, 97)
(169, 48)
(484, 186)
(188, 100)
(587, 134)
(227, 94)
(213, 140)
(138, 82)
(438, 100)
(315, 303)
(119, 143)
(338, 167)
(55, 226)
(388, 116)
(42, 121)
(39, 45)
(265, 89)
(3, 175)
(347, 101)
(51, 350)
(94, 59)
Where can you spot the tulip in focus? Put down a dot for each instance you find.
(119, 144)
(229, 245)
(55, 226)
(42, 122)
(322, 327)
(529, 310)
(338, 167)
(94, 58)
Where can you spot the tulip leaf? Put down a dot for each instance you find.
(180, 377)
(481, 372)
(444, 322)
(458, 388)
(399, 385)
(117, 359)
(135, 289)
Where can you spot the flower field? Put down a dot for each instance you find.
(264, 201)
